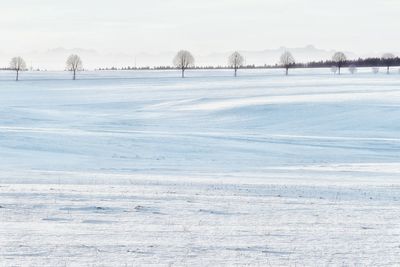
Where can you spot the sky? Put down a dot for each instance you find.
(201, 26)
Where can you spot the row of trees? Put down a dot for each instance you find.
(185, 60)
(73, 64)
(339, 60)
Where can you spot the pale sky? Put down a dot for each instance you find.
(203, 26)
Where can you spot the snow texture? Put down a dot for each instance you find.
(144, 168)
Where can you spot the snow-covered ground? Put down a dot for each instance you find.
(143, 168)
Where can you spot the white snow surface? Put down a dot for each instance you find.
(142, 168)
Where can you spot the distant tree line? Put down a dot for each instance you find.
(185, 60)
(360, 62)
(210, 67)
(287, 61)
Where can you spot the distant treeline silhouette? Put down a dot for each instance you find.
(210, 67)
(360, 62)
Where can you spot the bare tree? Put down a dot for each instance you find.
(388, 59)
(74, 64)
(340, 59)
(18, 64)
(236, 60)
(287, 61)
(183, 60)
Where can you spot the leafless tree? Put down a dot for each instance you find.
(183, 60)
(236, 60)
(287, 61)
(340, 59)
(74, 64)
(18, 64)
(388, 60)
(352, 69)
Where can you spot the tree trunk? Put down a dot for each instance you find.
(17, 78)
(388, 70)
(287, 71)
(183, 73)
(339, 70)
(74, 78)
(235, 72)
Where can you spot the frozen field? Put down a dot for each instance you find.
(142, 168)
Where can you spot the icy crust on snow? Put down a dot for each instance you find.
(198, 224)
(143, 168)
